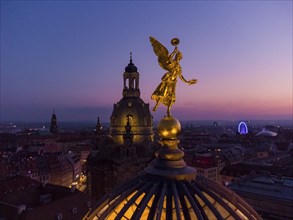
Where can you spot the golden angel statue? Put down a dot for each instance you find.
(165, 92)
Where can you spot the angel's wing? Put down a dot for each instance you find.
(162, 53)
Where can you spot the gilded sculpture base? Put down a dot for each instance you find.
(169, 162)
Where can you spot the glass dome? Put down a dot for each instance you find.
(168, 189)
(152, 197)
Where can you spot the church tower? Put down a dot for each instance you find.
(53, 125)
(98, 129)
(131, 109)
(131, 80)
(98, 135)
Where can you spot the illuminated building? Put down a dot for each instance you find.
(169, 189)
(61, 170)
(130, 147)
(266, 133)
(271, 196)
(207, 166)
(112, 163)
(131, 107)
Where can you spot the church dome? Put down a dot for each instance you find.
(168, 189)
(130, 68)
(137, 112)
(131, 107)
(135, 108)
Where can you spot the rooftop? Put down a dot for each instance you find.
(265, 185)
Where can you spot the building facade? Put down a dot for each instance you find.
(270, 196)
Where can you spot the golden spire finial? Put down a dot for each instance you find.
(165, 92)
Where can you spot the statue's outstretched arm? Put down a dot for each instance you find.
(192, 81)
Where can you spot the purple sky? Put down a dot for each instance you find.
(70, 56)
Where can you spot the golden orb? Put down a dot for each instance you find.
(169, 128)
(175, 41)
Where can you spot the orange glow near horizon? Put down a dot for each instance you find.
(240, 52)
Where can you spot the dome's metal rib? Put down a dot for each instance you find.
(187, 185)
(132, 201)
(142, 206)
(198, 212)
(169, 203)
(197, 192)
(242, 205)
(161, 201)
(122, 188)
(185, 209)
(246, 210)
(153, 209)
(176, 201)
(218, 199)
(110, 196)
(124, 195)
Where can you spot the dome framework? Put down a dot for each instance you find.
(151, 197)
(169, 190)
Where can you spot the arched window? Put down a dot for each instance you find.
(127, 83)
(134, 83)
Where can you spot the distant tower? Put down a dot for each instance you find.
(53, 125)
(98, 136)
(131, 104)
(98, 129)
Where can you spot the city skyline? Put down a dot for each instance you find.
(70, 56)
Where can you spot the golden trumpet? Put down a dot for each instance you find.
(175, 41)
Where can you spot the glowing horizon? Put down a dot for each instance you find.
(71, 56)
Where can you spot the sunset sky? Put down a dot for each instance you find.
(70, 56)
